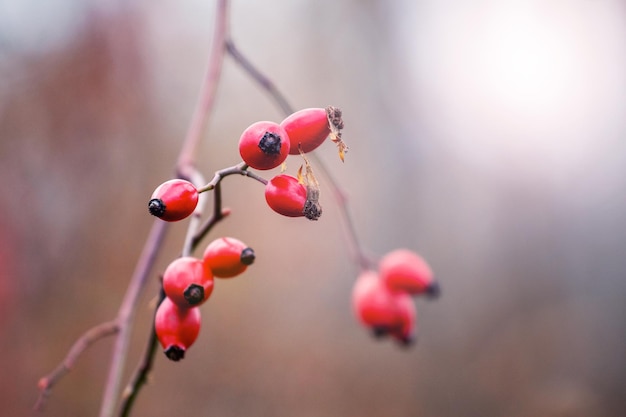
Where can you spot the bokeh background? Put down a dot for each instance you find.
(487, 135)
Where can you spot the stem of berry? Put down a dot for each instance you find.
(241, 169)
(194, 222)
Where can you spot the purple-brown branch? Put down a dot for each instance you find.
(126, 315)
(185, 169)
(46, 383)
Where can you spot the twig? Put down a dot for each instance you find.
(198, 180)
(241, 169)
(91, 336)
(140, 376)
(206, 99)
(126, 314)
(360, 258)
(259, 77)
(186, 169)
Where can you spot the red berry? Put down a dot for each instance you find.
(404, 270)
(173, 200)
(176, 328)
(407, 314)
(228, 257)
(373, 302)
(285, 195)
(187, 281)
(307, 128)
(382, 310)
(264, 145)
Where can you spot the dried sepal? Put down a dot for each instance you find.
(335, 122)
(312, 208)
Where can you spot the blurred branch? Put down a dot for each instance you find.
(140, 376)
(206, 100)
(126, 314)
(185, 169)
(122, 324)
(259, 77)
(91, 336)
(360, 258)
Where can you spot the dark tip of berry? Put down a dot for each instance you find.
(156, 207)
(312, 210)
(194, 294)
(334, 116)
(175, 353)
(407, 341)
(379, 332)
(270, 144)
(433, 290)
(247, 256)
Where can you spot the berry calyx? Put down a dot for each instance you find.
(228, 257)
(176, 328)
(188, 282)
(286, 195)
(270, 144)
(173, 200)
(264, 145)
(405, 270)
(312, 209)
(336, 124)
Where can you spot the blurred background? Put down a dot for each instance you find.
(486, 135)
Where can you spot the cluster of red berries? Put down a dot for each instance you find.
(382, 299)
(188, 283)
(266, 145)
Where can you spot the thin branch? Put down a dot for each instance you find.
(206, 100)
(197, 180)
(185, 169)
(241, 169)
(259, 77)
(185, 164)
(81, 344)
(126, 314)
(140, 376)
(360, 258)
